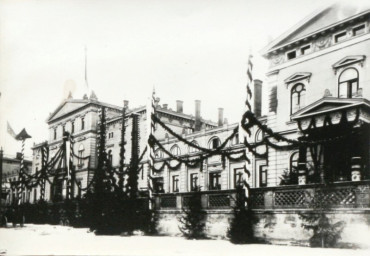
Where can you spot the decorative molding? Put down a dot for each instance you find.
(349, 60)
(298, 77)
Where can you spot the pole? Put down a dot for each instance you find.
(1, 175)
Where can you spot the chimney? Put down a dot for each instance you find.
(220, 116)
(165, 106)
(179, 106)
(18, 156)
(125, 104)
(197, 116)
(257, 101)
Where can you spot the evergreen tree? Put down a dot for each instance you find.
(241, 226)
(193, 221)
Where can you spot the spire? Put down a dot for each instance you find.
(93, 96)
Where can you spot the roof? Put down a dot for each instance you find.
(70, 105)
(319, 21)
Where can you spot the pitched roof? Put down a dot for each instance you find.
(70, 105)
(318, 21)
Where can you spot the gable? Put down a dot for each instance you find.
(319, 21)
(297, 76)
(349, 60)
(66, 107)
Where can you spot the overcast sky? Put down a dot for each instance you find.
(188, 50)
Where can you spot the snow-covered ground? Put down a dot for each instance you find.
(58, 240)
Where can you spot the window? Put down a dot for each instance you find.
(297, 98)
(235, 140)
(35, 195)
(158, 153)
(238, 177)
(110, 135)
(175, 150)
(194, 183)
(64, 129)
(191, 149)
(348, 83)
(214, 143)
(55, 133)
(81, 150)
(72, 127)
(291, 55)
(214, 181)
(305, 49)
(340, 37)
(358, 30)
(259, 135)
(110, 157)
(263, 176)
(82, 123)
(175, 183)
(293, 165)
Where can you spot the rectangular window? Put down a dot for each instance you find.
(55, 133)
(73, 127)
(35, 195)
(194, 181)
(175, 183)
(305, 49)
(340, 37)
(358, 30)
(110, 135)
(82, 123)
(263, 175)
(291, 55)
(214, 181)
(238, 177)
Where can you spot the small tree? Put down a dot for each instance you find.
(325, 233)
(241, 226)
(193, 221)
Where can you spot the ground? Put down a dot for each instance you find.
(59, 240)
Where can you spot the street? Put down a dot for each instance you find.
(59, 240)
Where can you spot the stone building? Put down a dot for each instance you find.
(10, 174)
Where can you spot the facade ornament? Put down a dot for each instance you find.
(85, 97)
(93, 96)
(322, 42)
(327, 93)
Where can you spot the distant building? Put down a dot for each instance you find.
(10, 174)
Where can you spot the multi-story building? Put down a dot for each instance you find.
(10, 174)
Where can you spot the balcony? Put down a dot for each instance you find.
(353, 195)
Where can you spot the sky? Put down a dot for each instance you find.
(186, 49)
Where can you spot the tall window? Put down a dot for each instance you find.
(348, 83)
(263, 175)
(158, 153)
(214, 181)
(191, 149)
(194, 181)
(175, 150)
(238, 177)
(55, 133)
(81, 150)
(214, 143)
(72, 127)
(293, 165)
(175, 183)
(259, 135)
(297, 98)
(82, 123)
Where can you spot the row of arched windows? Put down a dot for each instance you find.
(348, 86)
(72, 128)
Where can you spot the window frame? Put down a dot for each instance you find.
(177, 149)
(194, 177)
(211, 142)
(217, 177)
(357, 27)
(299, 96)
(175, 183)
(238, 172)
(305, 46)
(348, 82)
(336, 36)
(290, 52)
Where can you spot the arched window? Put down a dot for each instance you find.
(175, 150)
(297, 98)
(82, 123)
(214, 143)
(348, 83)
(259, 135)
(81, 151)
(191, 149)
(293, 165)
(55, 133)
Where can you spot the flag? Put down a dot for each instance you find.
(10, 130)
